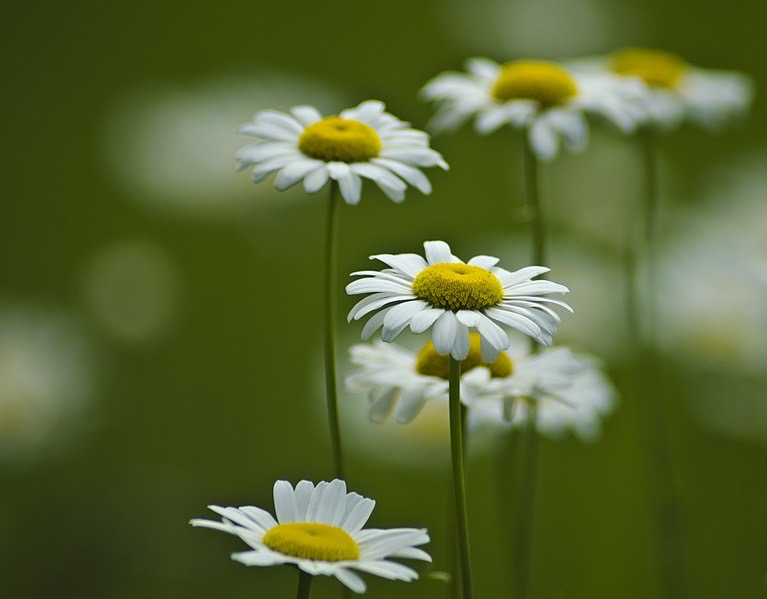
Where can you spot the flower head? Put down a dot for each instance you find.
(360, 142)
(319, 529)
(545, 98)
(676, 90)
(452, 297)
(568, 388)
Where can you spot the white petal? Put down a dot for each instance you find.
(257, 558)
(333, 505)
(350, 579)
(461, 345)
(293, 172)
(443, 334)
(470, 318)
(279, 119)
(315, 501)
(261, 517)
(410, 264)
(373, 302)
(486, 262)
(372, 325)
(303, 495)
(390, 570)
(543, 139)
(409, 173)
(351, 188)
(410, 403)
(269, 131)
(437, 252)
(399, 317)
(285, 506)
(424, 319)
(314, 180)
(493, 333)
(306, 115)
(358, 516)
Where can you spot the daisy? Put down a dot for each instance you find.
(453, 298)
(546, 99)
(675, 90)
(319, 530)
(398, 380)
(569, 390)
(360, 142)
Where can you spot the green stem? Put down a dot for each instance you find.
(527, 471)
(647, 376)
(459, 482)
(304, 585)
(330, 327)
(532, 191)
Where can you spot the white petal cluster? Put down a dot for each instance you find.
(462, 96)
(707, 97)
(523, 307)
(404, 151)
(326, 503)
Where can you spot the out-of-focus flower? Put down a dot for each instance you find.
(320, 530)
(545, 98)
(396, 379)
(711, 274)
(132, 289)
(46, 379)
(170, 147)
(677, 91)
(451, 297)
(360, 142)
(570, 392)
(569, 389)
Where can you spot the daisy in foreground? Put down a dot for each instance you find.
(452, 297)
(676, 90)
(361, 142)
(319, 530)
(546, 99)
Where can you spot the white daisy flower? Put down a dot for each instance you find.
(396, 379)
(319, 530)
(453, 298)
(546, 99)
(569, 389)
(360, 142)
(675, 90)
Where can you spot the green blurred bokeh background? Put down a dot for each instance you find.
(166, 310)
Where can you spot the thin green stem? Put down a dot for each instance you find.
(527, 474)
(304, 585)
(459, 482)
(647, 376)
(532, 191)
(331, 393)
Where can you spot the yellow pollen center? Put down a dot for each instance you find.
(656, 67)
(545, 82)
(430, 363)
(456, 286)
(344, 140)
(311, 540)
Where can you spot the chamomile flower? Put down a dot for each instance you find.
(677, 91)
(361, 142)
(319, 529)
(546, 99)
(452, 297)
(569, 389)
(396, 379)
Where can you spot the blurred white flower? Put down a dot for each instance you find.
(46, 379)
(548, 28)
(712, 273)
(361, 142)
(171, 147)
(544, 98)
(675, 90)
(132, 290)
(570, 391)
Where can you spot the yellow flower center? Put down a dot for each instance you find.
(545, 82)
(656, 67)
(311, 540)
(430, 363)
(456, 286)
(344, 140)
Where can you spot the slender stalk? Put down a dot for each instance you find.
(527, 474)
(331, 394)
(304, 585)
(647, 377)
(532, 191)
(459, 482)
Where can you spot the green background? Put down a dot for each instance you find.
(226, 398)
